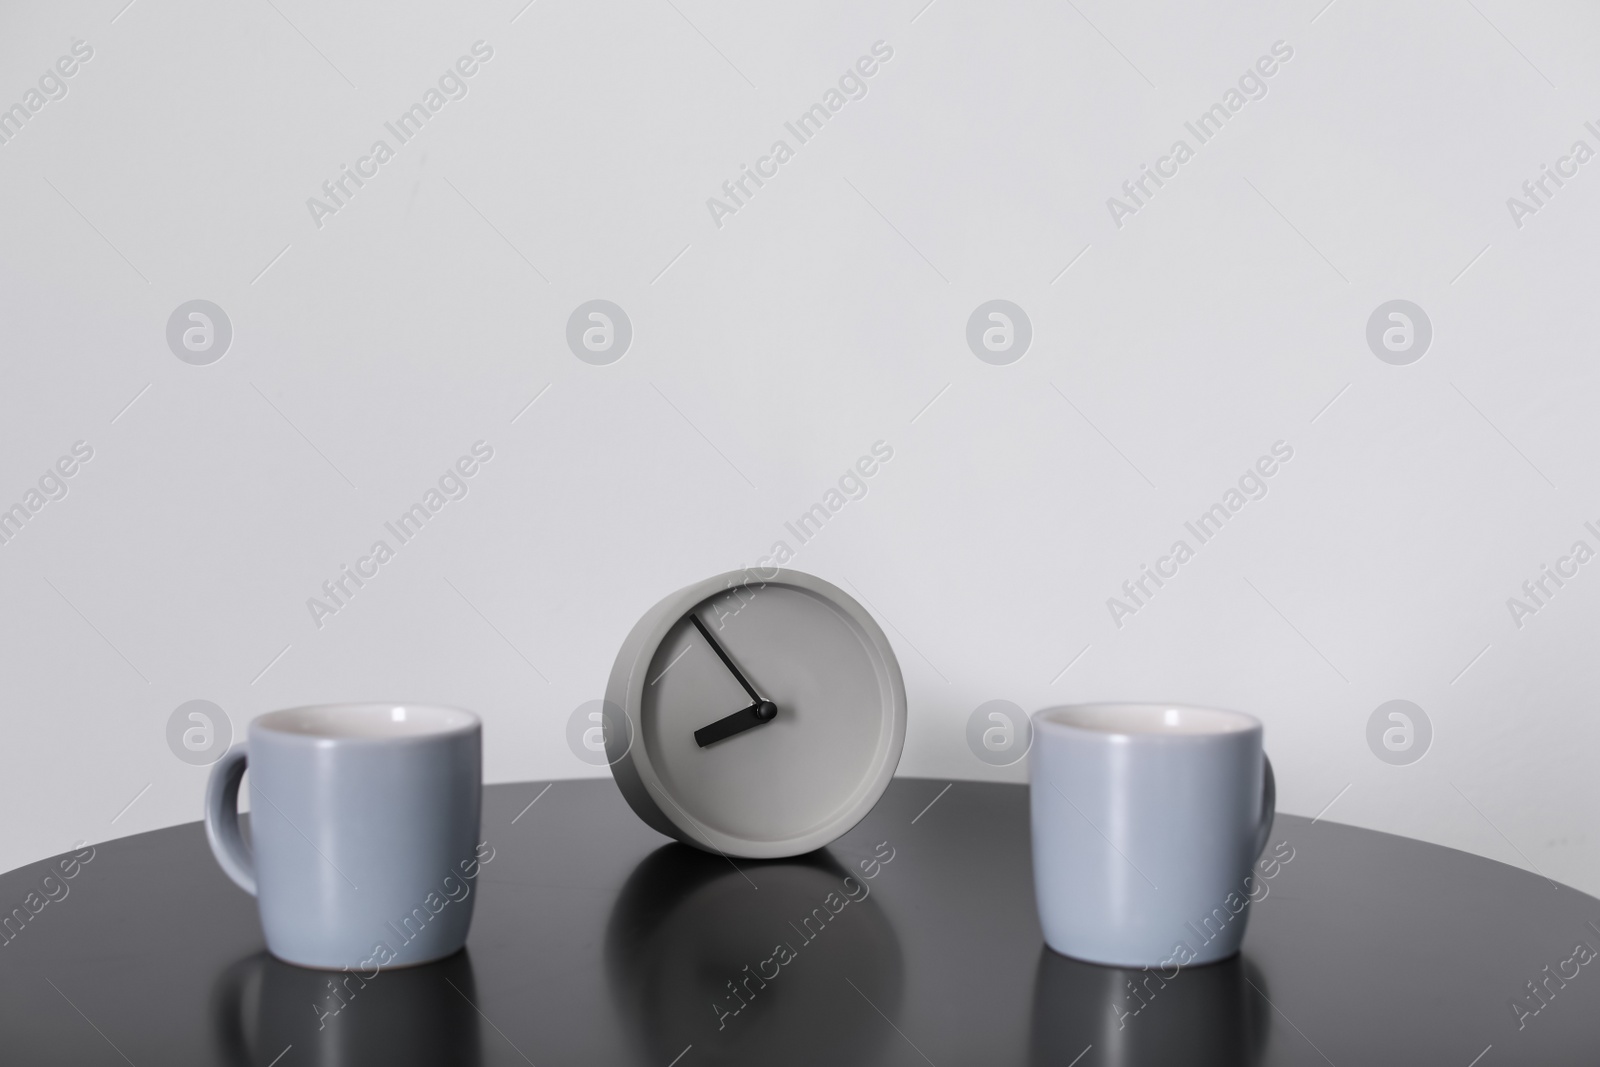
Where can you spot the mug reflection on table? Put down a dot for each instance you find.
(1198, 1017)
(413, 1017)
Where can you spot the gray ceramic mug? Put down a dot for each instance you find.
(363, 831)
(1147, 821)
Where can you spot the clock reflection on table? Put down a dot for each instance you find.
(751, 963)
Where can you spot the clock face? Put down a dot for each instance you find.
(764, 718)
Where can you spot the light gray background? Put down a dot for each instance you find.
(768, 354)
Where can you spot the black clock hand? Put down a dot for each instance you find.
(723, 656)
(763, 711)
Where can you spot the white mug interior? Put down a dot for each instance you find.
(1154, 719)
(379, 721)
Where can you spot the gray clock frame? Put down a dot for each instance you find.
(630, 764)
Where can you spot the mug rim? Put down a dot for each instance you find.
(1223, 722)
(447, 721)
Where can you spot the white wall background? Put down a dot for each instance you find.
(770, 352)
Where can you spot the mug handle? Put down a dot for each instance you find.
(222, 819)
(1269, 806)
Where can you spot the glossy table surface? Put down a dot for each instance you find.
(597, 942)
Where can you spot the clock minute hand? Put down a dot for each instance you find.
(726, 662)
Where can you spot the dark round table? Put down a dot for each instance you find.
(596, 941)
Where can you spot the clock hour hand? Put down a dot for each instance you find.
(726, 662)
(762, 711)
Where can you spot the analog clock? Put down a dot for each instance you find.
(763, 717)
